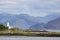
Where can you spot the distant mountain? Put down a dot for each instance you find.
(29, 19)
(39, 26)
(54, 24)
(25, 21)
(50, 17)
(51, 23)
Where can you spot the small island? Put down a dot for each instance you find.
(11, 31)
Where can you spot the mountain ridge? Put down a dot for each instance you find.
(23, 21)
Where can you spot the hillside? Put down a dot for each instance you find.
(39, 26)
(54, 24)
(21, 21)
(25, 21)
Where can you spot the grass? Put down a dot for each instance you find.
(28, 33)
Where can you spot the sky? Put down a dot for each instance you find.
(30, 7)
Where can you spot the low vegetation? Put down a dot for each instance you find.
(2, 27)
(15, 31)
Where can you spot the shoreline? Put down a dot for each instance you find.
(41, 35)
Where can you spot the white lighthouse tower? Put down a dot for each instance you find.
(8, 25)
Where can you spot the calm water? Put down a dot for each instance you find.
(27, 38)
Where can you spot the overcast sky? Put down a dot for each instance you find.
(31, 7)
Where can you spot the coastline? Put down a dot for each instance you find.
(16, 32)
(36, 35)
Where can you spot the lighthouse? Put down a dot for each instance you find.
(8, 25)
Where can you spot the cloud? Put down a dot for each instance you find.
(56, 11)
(31, 7)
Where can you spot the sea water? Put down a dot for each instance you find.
(27, 38)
